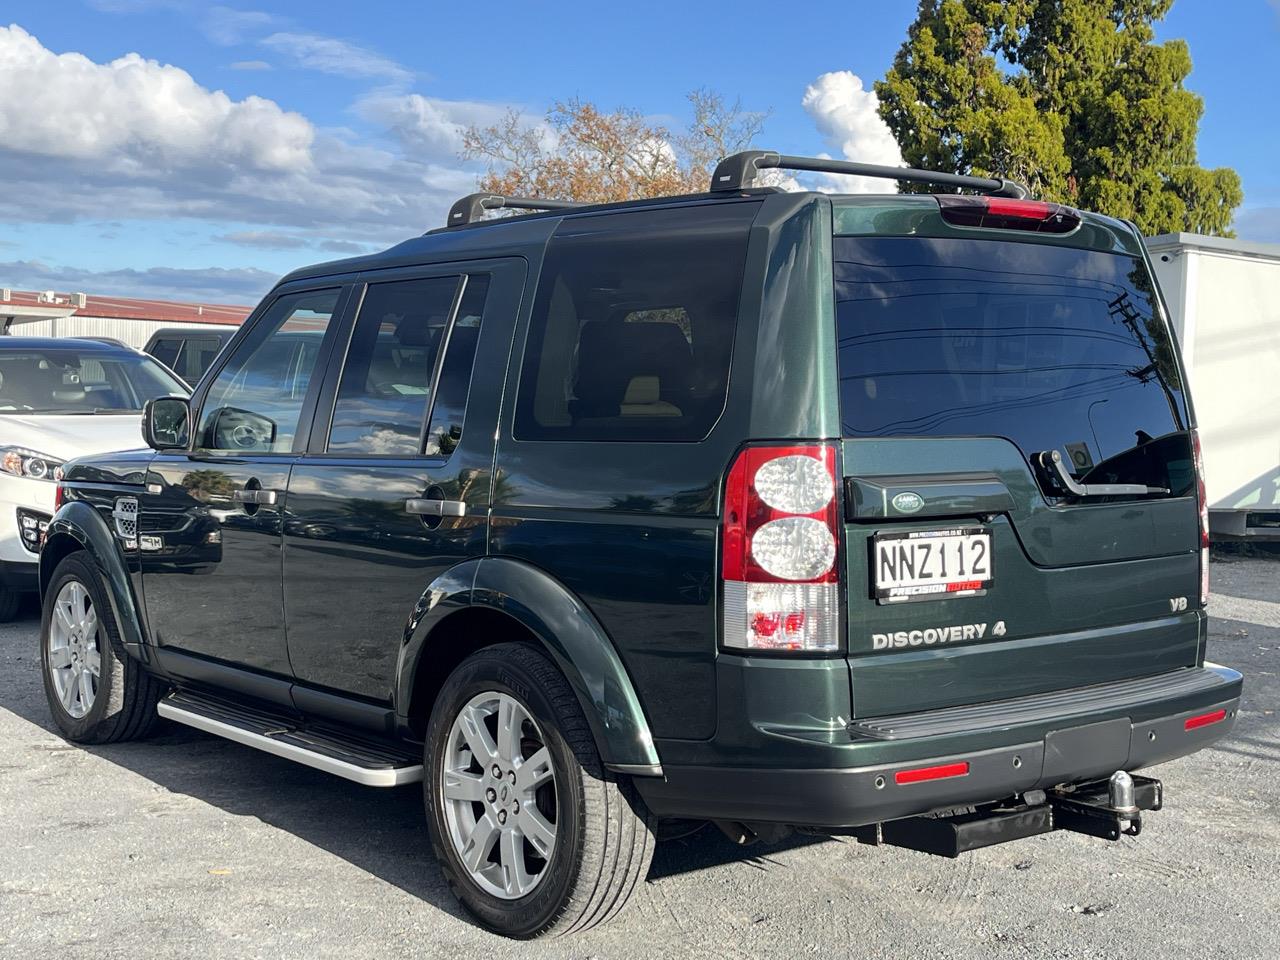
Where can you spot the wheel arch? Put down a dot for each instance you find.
(79, 527)
(494, 600)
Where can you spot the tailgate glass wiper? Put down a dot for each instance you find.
(1051, 460)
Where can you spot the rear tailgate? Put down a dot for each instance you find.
(973, 573)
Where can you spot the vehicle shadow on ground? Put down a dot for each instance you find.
(380, 831)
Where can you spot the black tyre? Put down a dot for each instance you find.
(534, 836)
(10, 601)
(97, 693)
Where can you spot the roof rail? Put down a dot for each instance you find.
(472, 207)
(738, 171)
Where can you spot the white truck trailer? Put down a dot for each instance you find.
(1225, 299)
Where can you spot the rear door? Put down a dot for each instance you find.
(974, 573)
(395, 487)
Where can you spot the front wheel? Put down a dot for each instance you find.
(533, 835)
(96, 692)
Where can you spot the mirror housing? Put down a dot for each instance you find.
(166, 423)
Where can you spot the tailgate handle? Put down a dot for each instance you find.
(872, 499)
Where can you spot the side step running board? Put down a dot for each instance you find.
(368, 762)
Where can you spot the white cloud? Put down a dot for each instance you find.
(227, 27)
(211, 285)
(331, 55)
(134, 139)
(425, 125)
(134, 115)
(847, 116)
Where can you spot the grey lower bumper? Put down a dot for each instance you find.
(1071, 753)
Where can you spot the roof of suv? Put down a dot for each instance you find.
(64, 343)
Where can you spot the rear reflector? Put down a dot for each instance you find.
(941, 772)
(1002, 213)
(1204, 720)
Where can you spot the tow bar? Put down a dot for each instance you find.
(1102, 808)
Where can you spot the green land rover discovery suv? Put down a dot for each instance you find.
(875, 515)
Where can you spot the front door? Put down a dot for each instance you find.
(396, 486)
(211, 519)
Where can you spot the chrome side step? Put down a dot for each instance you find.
(365, 762)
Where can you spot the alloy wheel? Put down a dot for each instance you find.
(74, 649)
(499, 792)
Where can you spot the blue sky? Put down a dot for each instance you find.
(245, 139)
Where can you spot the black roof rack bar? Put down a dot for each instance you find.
(472, 207)
(738, 171)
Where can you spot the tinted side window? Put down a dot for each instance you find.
(198, 356)
(633, 325)
(455, 374)
(386, 381)
(256, 401)
(166, 351)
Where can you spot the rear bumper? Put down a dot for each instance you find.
(1074, 749)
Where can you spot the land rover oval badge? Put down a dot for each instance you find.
(908, 502)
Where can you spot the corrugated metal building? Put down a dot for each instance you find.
(132, 321)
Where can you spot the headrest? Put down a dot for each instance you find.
(643, 390)
(611, 355)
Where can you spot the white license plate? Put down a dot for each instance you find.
(931, 564)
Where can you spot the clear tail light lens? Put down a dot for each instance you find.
(1202, 498)
(779, 550)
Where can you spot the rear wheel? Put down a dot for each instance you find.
(97, 693)
(533, 835)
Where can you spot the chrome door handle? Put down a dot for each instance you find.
(436, 508)
(259, 497)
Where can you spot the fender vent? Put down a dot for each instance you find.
(126, 518)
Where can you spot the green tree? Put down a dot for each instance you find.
(1072, 97)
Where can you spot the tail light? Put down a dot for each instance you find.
(780, 537)
(1202, 498)
(1003, 213)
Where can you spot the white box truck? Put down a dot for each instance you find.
(1224, 296)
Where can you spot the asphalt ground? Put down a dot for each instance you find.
(190, 846)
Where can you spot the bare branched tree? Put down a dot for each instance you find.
(581, 153)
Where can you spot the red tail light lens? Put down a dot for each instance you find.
(1003, 213)
(779, 545)
(1204, 720)
(1202, 497)
(941, 772)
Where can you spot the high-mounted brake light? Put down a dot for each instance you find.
(1003, 213)
(778, 549)
(1202, 498)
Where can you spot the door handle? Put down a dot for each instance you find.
(259, 497)
(435, 508)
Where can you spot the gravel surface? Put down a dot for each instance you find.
(190, 846)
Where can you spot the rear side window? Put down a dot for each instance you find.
(1051, 347)
(166, 351)
(386, 381)
(450, 403)
(633, 325)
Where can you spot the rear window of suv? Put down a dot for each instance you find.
(1052, 347)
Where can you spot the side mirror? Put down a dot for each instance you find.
(166, 423)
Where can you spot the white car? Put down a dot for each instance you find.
(60, 398)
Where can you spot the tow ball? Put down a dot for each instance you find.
(1106, 809)
(1102, 808)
